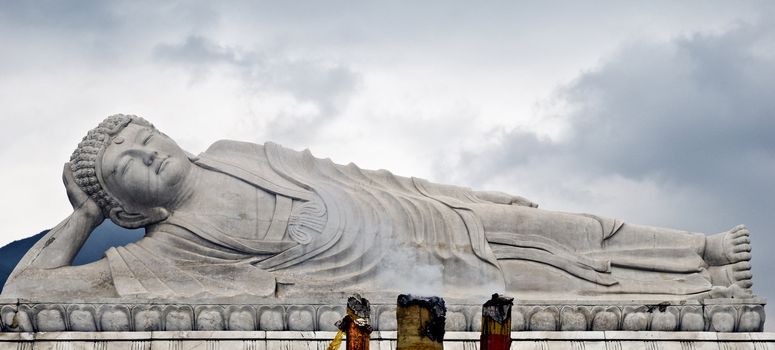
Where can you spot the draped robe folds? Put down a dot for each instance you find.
(342, 228)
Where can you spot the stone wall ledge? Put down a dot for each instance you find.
(378, 299)
(725, 315)
(384, 335)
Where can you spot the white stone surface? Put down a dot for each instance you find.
(244, 219)
(739, 315)
(381, 340)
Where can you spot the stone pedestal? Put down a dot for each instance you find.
(722, 315)
(380, 340)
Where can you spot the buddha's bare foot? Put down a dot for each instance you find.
(728, 247)
(738, 274)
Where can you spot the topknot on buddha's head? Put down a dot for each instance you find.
(85, 159)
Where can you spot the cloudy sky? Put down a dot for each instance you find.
(658, 113)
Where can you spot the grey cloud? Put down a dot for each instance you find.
(326, 85)
(71, 16)
(105, 19)
(694, 110)
(96, 35)
(196, 50)
(693, 113)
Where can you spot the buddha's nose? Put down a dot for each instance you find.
(150, 157)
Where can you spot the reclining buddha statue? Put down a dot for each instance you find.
(267, 221)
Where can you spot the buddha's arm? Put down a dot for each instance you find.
(61, 244)
(505, 198)
(45, 270)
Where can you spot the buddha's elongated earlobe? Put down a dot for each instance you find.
(136, 220)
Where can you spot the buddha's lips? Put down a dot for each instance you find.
(160, 167)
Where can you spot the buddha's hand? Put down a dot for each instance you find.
(505, 198)
(519, 200)
(80, 200)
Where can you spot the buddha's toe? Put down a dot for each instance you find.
(741, 275)
(745, 284)
(738, 274)
(728, 247)
(742, 271)
(739, 231)
(740, 246)
(741, 256)
(742, 266)
(737, 244)
(745, 239)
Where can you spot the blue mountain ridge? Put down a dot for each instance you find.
(103, 237)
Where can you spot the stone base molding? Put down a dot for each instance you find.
(716, 315)
(264, 340)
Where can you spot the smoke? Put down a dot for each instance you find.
(408, 270)
(419, 270)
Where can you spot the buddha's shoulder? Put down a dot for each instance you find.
(246, 154)
(226, 149)
(243, 146)
(232, 146)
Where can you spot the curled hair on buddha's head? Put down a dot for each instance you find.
(84, 161)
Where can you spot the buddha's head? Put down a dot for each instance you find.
(132, 171)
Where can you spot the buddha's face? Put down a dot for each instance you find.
(144, 168)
